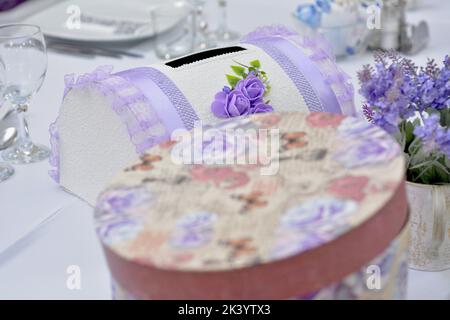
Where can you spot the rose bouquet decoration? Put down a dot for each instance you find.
(245, 93)
(412, 104)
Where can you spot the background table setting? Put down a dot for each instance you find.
(45, 231)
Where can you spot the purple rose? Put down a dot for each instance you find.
(260, 107)
(252, 87)
(230, 104)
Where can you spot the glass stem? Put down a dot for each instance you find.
(223, 27)
(24, 144)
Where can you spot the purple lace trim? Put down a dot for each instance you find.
(176, 97)
(319, 51)
(54, 151)
(133, 108)
(267, 32)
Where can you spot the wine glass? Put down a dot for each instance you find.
(177, 41)
(223, 33)
(24, 57)
(6, 170)
(202, 37)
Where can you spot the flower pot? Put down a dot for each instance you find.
(430, 226)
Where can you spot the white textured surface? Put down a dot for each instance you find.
(36, 267)
(191, 79)
(94, 143)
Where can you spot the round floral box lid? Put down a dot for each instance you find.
(271, 190)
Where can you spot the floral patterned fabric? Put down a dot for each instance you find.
(393, 272)
(331, 178)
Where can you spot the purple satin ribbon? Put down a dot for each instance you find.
(158, 99)
(303, 72)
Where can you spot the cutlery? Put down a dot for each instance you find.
(86, 53)
(89, 49)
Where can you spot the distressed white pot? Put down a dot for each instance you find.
(429, 247)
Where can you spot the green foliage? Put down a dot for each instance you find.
(238, 70)
(232, 80)
(256, 64)
(241, 71)
(423, 167)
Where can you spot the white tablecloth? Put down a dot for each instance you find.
(43, 230)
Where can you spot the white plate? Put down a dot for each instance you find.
(99, 20)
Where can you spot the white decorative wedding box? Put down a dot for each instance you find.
(106, 118)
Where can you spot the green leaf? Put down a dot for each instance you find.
(419, 157)
(240, 71)
(423, 164)
(241, 64)
(441, 168)
(445, 117)
(409, 133)
(256, 64)
(232, 80)
(267, 91)
(414, 147)
(424, 176)
(407, 159)
(400, 136)
(416, 122)
(446, 162)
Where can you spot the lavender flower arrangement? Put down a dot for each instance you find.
(412, 104)
(246, 92)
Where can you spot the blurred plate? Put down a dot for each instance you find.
(99, 20)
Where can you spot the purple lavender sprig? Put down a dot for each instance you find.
(435, 138)
(413, 104)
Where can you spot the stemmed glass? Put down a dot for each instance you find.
(223, 34)
(202, 38)
(6, 170)
(187, 36)
(24, 57)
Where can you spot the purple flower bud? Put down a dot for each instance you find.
(260, 107)
(232, 104)
(434, 137)
(252, 87)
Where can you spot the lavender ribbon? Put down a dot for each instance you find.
(155, 85)
(308, 79)
(144, 79)
(143, 123)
